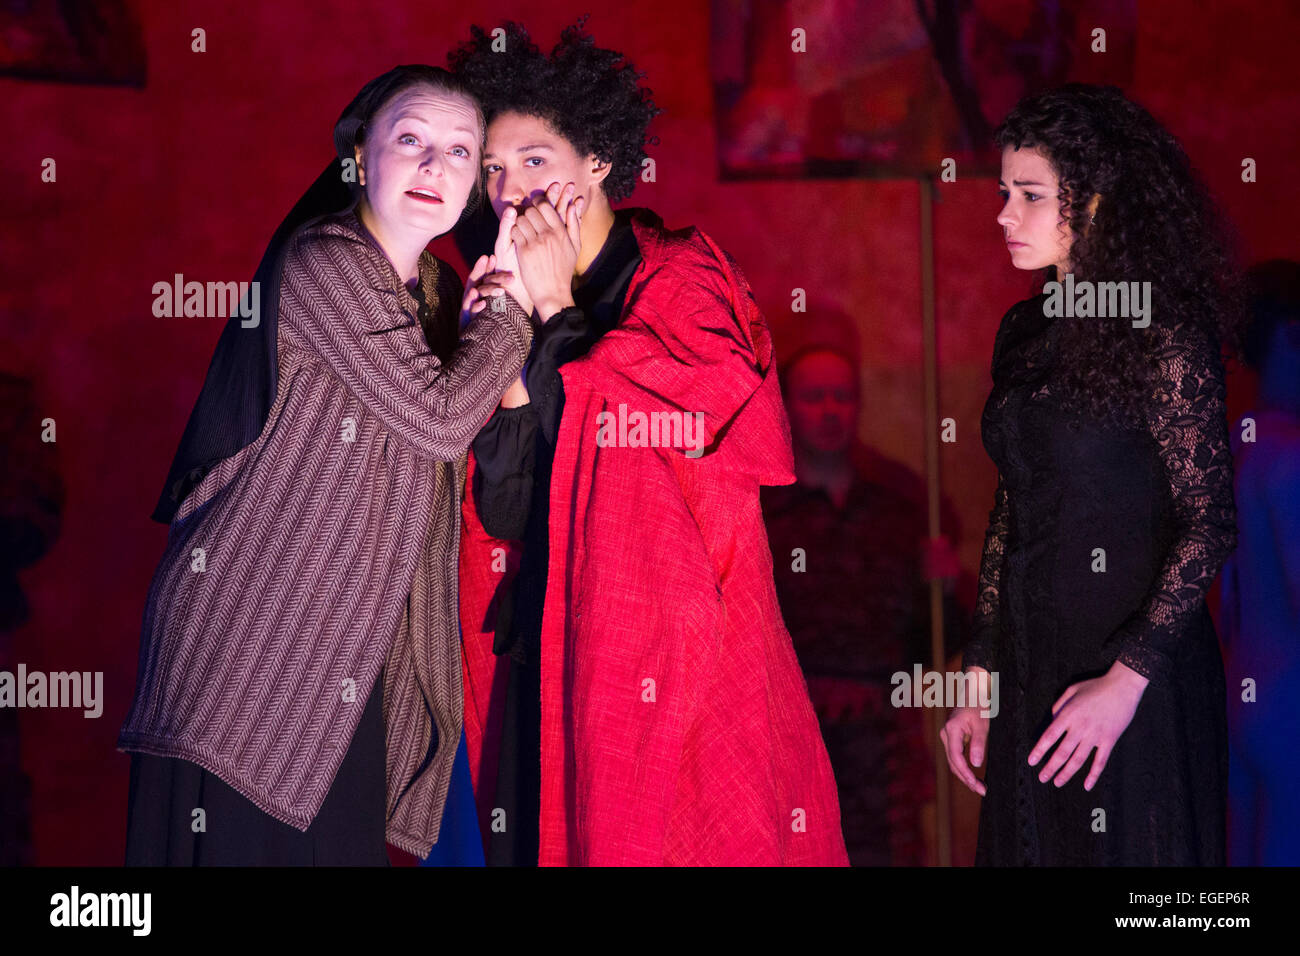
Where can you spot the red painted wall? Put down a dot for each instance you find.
(193, 172)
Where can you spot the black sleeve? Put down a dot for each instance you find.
(505, 451)
(554, 344)
(506, 448)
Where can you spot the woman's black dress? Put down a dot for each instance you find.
(1158, 502)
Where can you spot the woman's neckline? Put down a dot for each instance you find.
(353, 221)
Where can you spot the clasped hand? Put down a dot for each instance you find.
(535, 254)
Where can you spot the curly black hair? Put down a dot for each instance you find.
(588, 95)
(1154, 222)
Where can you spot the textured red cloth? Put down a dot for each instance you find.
(676, 724)
(487, 568)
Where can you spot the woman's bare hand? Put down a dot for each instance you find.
(967, 724)
(1089, 716)
(471, 302)
(547, 236)
(504, 278)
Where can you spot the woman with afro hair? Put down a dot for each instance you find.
(632, 694)
(1114, 506)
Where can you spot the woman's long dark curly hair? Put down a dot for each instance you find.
(589, 95)
(1155, 222)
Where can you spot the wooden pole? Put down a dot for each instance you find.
(938, 660)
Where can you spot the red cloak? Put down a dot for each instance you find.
(676, 723)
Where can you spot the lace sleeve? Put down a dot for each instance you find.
(980, 651)
(1191, 430)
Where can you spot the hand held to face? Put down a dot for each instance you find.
(504, 277)
(547, 239)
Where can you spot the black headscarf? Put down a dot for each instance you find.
(240, 387)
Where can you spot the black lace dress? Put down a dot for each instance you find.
(1158, 501)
